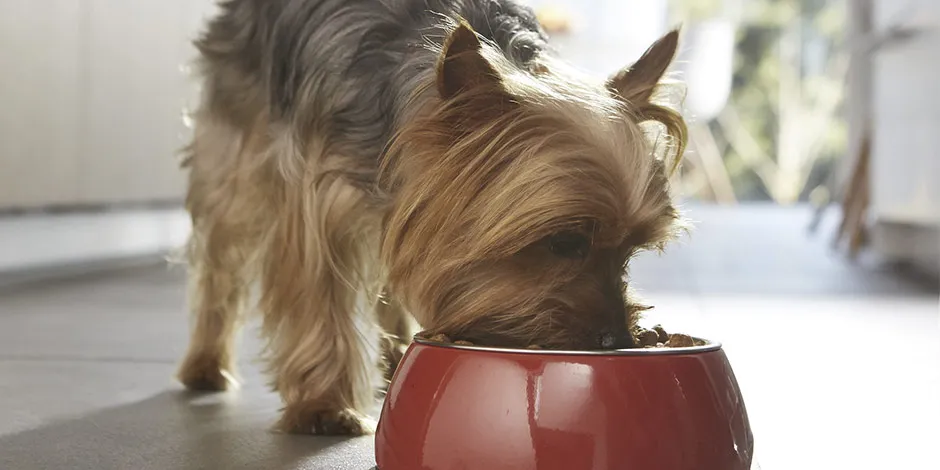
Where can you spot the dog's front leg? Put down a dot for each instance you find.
(319, 339)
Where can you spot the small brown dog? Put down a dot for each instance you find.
(366, 158)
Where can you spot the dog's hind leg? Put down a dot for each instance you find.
(322, 337)
(225, 201)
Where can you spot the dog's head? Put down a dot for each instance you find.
(519, 197)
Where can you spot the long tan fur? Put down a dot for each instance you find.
(496, 199)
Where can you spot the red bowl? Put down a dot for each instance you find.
(465, 407)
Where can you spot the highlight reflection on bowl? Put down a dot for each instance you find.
(458, 407)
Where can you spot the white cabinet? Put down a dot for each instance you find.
(906, 117)
(905, 105)
(40, 100)
(91, 94)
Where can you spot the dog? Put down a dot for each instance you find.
(366, 162)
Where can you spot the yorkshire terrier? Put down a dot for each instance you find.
(367, 160)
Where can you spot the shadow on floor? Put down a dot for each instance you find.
(178, 430)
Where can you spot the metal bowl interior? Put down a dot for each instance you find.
(709, 346)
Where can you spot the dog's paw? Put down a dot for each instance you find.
(326, 423)
(205, 374)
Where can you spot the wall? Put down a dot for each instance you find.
(92, 94)
(92, 90)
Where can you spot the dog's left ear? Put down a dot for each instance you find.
(462, 65)
(636, 83)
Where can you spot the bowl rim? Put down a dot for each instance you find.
(710, 346)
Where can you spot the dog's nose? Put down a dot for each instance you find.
(606, 340)
(610, 340)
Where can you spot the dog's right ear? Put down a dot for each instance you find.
(462, 65)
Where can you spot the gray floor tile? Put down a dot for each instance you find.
(135, 314)
(107, 415)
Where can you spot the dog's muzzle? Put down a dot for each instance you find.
(611, 340)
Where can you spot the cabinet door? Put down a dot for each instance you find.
(906, 115)
(40, 101)
(92, 95)
(136, 92)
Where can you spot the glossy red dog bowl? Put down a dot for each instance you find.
(465, 407)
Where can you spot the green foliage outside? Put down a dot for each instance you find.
(783, 128)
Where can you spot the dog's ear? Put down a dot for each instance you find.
(636, 83)
(462, 65)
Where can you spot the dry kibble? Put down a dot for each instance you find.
(679, 340)
(661, 333)
(653, 338)
(647, 338)
(440, 338)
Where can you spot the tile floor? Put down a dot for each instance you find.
(839, 363)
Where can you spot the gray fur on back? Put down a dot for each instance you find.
(343, 69)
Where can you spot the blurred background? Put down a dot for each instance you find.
(811, 179)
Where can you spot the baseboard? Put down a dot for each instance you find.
(66, 271)
(40, 246)
(912, 243)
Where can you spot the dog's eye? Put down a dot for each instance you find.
(569, 244)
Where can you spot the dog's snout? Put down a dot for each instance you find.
(610, 340)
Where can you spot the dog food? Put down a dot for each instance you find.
(661, 334)
(442, 338)
(657, 337)
(649, 338)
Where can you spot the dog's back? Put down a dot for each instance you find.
(300, 97)
(341, 65)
